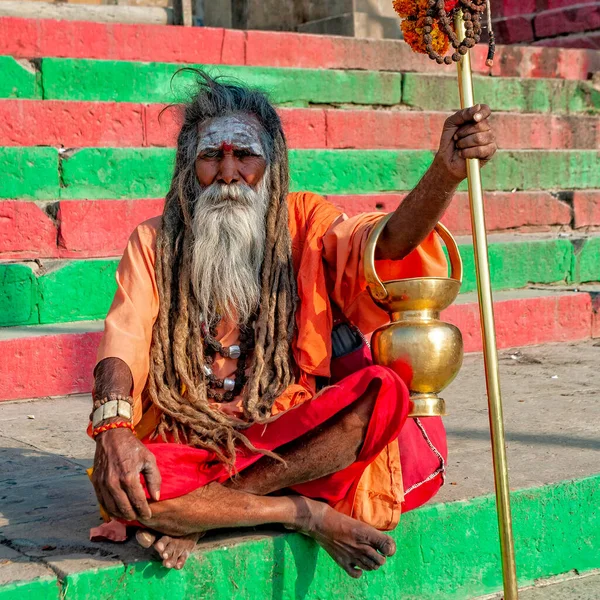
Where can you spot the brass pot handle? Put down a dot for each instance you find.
(375, 284)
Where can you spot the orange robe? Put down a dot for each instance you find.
(327, 249)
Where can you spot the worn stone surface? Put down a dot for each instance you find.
(49, 505)
(19, 79)
(48, 360)
(30, 39)
(67, 79)
(55, 291)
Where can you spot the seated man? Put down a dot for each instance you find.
(218, 347)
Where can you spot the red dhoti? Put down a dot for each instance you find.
(185, 469)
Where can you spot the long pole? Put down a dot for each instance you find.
(490, 354)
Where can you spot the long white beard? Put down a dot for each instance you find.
(228, 250)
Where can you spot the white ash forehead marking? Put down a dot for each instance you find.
(239, 130)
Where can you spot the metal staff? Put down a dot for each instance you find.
(490, 354)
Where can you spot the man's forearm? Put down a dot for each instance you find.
(112, 376)
(417, 215)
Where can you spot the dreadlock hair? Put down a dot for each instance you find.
(176, 384)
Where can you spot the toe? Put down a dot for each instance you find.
(161, 545)
(387, 546)
(373, 558)
(182, 559)
(145, 538)
(354, 572)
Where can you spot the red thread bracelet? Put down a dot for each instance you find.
(118, 425)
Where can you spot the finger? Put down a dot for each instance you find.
(137, 497)
(152, 477)
(466, 115)
(472, 128)
(477, 139)
(480, 152)
(123, 505)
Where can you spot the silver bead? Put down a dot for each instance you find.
(228, 384)
(234, 351)
(207, 370)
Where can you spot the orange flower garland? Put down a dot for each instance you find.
(428, 28)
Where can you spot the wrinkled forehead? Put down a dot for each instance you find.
(239, 130)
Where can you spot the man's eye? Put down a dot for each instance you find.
(243, 153)
(210, 154)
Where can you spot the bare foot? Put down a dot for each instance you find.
(355, 546)
(174, 551)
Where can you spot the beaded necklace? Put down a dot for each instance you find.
(231, 386)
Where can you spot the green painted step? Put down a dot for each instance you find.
(440, 92)
(68, 291)
(19, 80)
(111, 173)
(121, 81)
(83, 289)
(445, 552)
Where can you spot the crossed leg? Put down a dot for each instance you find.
(245, 501)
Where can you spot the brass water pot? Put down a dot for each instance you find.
(424, 351)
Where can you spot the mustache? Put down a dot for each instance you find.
(220, 194)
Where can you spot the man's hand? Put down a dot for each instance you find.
(120, 458)
(466, 134)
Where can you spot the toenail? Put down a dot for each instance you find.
(165, 555)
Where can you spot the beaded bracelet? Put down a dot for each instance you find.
(100, 401)
(117, 425)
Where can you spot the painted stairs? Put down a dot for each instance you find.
(86, 153)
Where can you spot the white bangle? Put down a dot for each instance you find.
(113, 408)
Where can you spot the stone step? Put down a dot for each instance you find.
(446, 550)
(74, 124)
(101, 228)
(127, 81)
(60, 290)
(567, 587)
(40, 173)
(24, 38)
(58, 359)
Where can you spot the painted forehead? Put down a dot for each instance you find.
(239, 130)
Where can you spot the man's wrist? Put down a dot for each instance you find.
(444, 176)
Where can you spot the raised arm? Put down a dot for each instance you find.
(466, 134)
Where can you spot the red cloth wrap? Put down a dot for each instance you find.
(185, 469)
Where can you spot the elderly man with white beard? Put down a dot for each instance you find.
(223, 393)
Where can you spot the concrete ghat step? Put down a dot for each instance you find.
(446, 551)
(54, 291)
(43, 173)
(584, 587)
(101, 228)
(26, 38)
(52, 360)
(72, 124)
(129, 81)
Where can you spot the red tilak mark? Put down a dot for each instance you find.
(227, 147)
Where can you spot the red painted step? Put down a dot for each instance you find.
(123, 124)
(26, 38)
(100, 228)
(58, 360)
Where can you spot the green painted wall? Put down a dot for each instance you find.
(445, 552)
(83, 289)
(99, 173)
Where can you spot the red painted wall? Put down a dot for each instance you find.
(564, 23)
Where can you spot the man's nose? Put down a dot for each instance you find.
(228, 171)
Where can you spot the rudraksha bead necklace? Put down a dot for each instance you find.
(231, 386)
